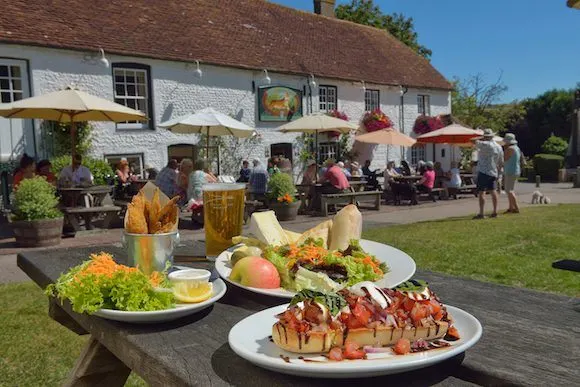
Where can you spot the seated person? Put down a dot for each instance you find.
(454, 176)
(406, 168)
(75, 174)
(371, 175)
(44, 169)
(197, 179)
(25, 170)
(427, 182)
(166, 179)
(334, 180)
(355, 169)
(440, 175)
(309, 176)
(390, 173)
(346, 172)
(245, 172)
(258, 179)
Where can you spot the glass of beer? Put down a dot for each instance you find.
(223, 216)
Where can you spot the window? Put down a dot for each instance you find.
(424, 105)
(327, 98)
(417, 153)
(135, 162)
(10, 83)
(327, 150)
(372, 100)
(132, 88)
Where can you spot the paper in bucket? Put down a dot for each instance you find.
(151, 212)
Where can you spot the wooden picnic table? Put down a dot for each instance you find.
(529, 337)
(87, 202)
(407, 179)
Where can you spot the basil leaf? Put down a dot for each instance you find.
(333, 302)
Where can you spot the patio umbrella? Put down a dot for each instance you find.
(317, 123)
(452, 134)
(71, 106)
(210, 122)
(386, 136)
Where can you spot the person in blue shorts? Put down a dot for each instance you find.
(489, 165)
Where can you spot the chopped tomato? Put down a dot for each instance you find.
(396, 303)
(419, 312)
(352, 322)
(352, 351)
(402, 347)
(434, 306)
(439, 315)
(312, 313)
(408, 304)
(335, 354)
(453, 332)
(361, 313)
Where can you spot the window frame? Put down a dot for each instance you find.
(140, 156)
(418, 150)
(424, 104)
(148, 125)
(326, 102)
(11, 80)
(333, 152)
(369, 99)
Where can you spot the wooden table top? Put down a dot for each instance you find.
(92, 189)
(407, 177)
(528, 337)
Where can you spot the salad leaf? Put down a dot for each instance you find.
(281, 264)
(332, 301)
(357, 270)
(306, 279)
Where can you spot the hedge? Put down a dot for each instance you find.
(547, 166)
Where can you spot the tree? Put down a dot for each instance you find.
(473, 103)
(367, 13)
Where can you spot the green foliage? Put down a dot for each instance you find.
(101, 170)
(279, 185)
(367, 13)
(57, 139)
(35, 199)
(547, 114)
(555, 145)
(547, 166)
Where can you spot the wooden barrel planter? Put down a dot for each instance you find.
(37, 233)
(285, 211)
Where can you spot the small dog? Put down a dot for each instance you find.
(540, 198)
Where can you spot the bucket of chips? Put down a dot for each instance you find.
(151, 233)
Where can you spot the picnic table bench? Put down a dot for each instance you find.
(87, 203)
(111, 214)
(529, 337)
(350, 198)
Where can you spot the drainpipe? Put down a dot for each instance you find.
(402, 91)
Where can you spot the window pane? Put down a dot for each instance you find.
(17, 84)
(141, 105)
(120, 89)
(119, 77)
(131, 90)
(17, 96)
(4, 84)
(5, 96)
(15, 71)
(141, 91)
(130, 77)
(120, 101)
(141, 77)
(3, 71)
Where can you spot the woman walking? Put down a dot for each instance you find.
(512, 170)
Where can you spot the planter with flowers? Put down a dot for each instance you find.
(282, 195)
(336, 114)
(426, 124)
(376, 120)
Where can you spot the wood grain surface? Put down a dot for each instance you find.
(529, 338)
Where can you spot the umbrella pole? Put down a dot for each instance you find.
(316, 151)
(73, 130)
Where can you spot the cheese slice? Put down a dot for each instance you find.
(265, 227)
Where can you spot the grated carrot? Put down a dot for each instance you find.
(102, 264)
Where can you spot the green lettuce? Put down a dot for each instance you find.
(306, 279)
(280, 262)
(357, 271)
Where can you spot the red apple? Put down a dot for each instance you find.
(256, 272)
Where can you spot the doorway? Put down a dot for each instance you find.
(181, 151)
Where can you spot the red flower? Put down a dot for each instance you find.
(376, 120)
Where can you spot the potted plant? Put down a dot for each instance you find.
(336, 114)
(376, 120)
(36, 220)
(281, 192)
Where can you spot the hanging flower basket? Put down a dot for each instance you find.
(376, 120)
(426, 124)
(336, 114)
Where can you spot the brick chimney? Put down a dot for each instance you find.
(324, 7)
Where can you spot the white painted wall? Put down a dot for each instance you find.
(177, 92)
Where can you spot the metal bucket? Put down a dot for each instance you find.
(150, 252)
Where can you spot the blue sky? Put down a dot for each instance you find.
(534, 44)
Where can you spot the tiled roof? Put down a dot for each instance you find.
(251, 34)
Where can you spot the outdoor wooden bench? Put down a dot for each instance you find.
(350, 198)
(71, 213)
(464, 189)
(439, 192)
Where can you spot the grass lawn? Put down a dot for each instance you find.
(515, 250)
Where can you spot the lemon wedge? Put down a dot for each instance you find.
(192, 292)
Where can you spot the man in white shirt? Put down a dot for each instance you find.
(489, 164)
(75, 174)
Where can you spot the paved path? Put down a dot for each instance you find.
(388, 216)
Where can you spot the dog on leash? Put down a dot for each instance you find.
(540, 198)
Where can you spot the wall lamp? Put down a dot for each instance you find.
(267, 80)
(312, 82)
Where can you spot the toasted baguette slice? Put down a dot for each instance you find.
(321, 231)
(320, 342)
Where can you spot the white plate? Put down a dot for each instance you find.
(180, 310)
(401, 268)
(250, 339)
